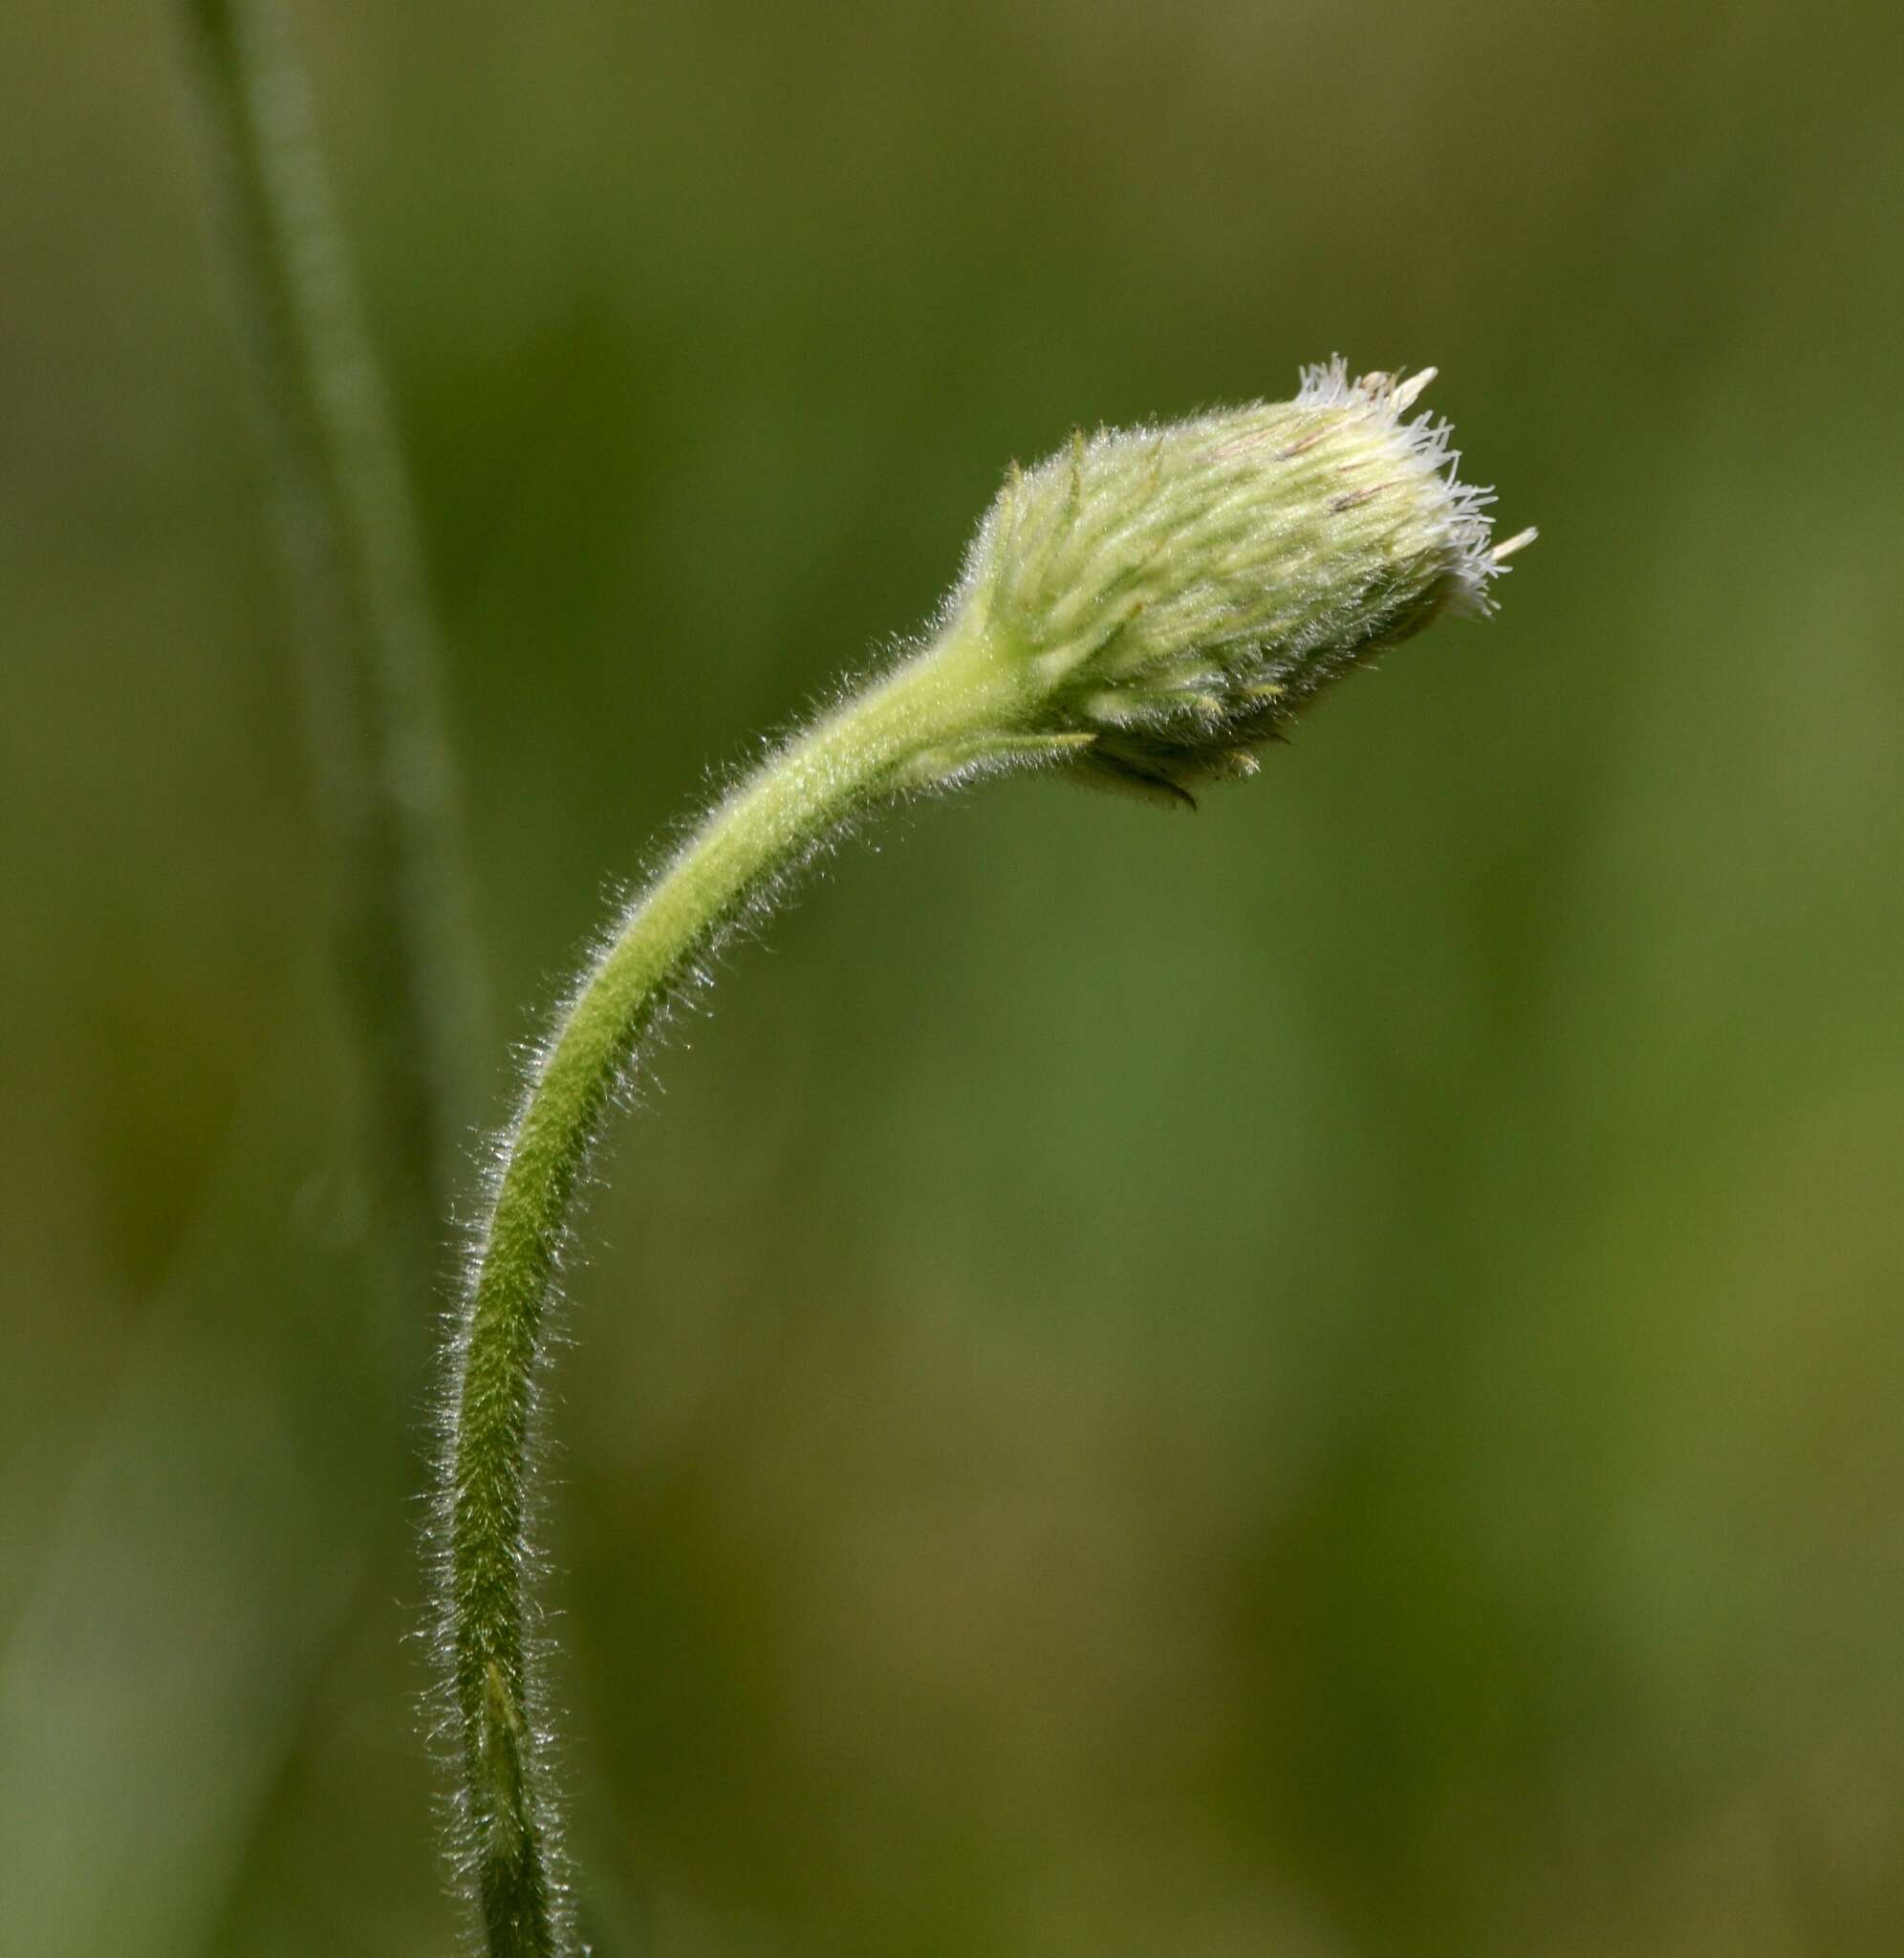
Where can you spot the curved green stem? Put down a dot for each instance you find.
(944, 710)
(1114, 613)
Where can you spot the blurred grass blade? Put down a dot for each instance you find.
(401, 914)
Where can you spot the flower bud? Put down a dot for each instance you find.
(1171, 596)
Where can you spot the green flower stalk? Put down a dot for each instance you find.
(1145, 610)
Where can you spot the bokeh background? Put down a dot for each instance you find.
(1322, 1378)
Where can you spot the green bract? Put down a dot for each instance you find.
(1176, 594)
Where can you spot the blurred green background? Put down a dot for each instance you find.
(1320, 1379)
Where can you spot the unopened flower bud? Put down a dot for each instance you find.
(1171, 596)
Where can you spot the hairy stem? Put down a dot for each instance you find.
(401, 915)
(913, 731)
